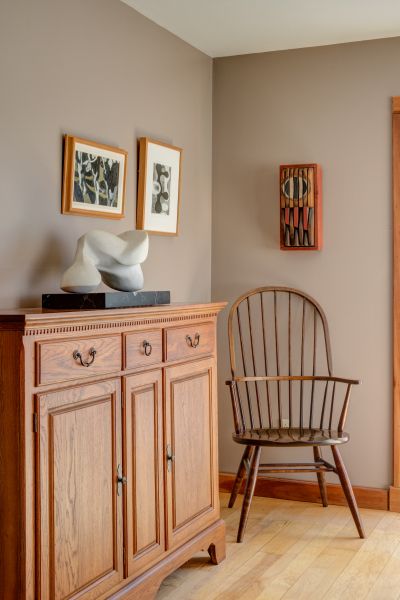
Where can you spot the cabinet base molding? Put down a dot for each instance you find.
(308, 491)
(147, 585)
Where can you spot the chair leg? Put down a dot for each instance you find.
(248, 495)
(321, 477)
(240, 474)
(348, 490)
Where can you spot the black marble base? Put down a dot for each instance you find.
(104, 300)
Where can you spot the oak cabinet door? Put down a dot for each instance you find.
(79, 512)
(191, 457)
(143, 452)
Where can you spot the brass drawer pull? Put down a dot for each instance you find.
(85, 363)
(193, 343)
(147, 348)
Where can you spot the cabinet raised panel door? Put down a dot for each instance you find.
(191, 449)
(79, 513)
(144, 453)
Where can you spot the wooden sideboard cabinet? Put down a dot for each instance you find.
(108, 450)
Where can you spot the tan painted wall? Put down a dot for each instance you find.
(96, 69)
(329, 105)
(100, 70)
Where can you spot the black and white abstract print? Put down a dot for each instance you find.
(161, 195)
(96, 179)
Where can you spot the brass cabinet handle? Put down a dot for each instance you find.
(85, 363)
(147, 348)
(193, 342)
(170, 457)
(121, 480)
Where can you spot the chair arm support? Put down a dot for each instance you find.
(237, 411)
(293, 378)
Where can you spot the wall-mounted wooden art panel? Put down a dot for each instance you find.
(301, 211)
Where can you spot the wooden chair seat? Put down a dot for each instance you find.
(291, 437)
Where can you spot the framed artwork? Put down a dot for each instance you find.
(159, 187)
(300, 207)
(94, 178)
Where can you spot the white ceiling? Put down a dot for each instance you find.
(229, 27)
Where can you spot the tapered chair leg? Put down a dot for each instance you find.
(248, 494)
(348, 490)
(240, 474)
(321, 477)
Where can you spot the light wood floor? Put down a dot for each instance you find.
(296, 551)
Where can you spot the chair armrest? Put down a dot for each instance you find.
(294, 378)
(238, 414)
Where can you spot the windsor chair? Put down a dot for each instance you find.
(283, 391)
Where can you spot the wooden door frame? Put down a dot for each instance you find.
(394, 493)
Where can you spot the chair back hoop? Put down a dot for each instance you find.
(280, 331)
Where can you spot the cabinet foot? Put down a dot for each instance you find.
(217, 553)
(216, 549)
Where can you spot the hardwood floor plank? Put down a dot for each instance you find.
(278, 582)
(361, 573)
(296, 551)
(261, 528)
(320, 575)
(247, 580)
(387, 585)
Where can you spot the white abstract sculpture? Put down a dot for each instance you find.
(115, 259)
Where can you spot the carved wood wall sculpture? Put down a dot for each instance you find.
(300, 200)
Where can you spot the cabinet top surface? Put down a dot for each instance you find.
(21, 317)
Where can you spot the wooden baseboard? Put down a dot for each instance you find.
(308, 491)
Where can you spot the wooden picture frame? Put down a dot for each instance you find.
(159, 187)
(300, 207)
(94, 179)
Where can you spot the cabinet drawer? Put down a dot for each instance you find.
(189, 341)
(80, 357)
(142, 348)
